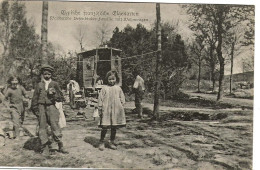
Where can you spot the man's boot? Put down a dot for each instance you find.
(61, 148)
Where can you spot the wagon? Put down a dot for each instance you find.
(94, 64)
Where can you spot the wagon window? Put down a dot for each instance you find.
(116, 60)
(88, 65)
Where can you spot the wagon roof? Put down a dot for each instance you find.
(93, 51)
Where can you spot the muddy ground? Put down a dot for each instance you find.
(200, 136)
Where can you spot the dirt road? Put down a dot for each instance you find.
(202, 138)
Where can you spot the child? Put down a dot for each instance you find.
(95, 113)
(15, 93)
(46, 94)
(99, 81)
(99, 85)
(110, 105)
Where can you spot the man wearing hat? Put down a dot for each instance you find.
(47, 93)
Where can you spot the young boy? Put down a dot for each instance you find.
(46, 94)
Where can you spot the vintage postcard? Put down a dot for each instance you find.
(126, 85)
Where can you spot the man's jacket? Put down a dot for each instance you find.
(42, 96)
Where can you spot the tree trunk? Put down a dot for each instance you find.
(5, 54)
(231, 68)
(3, 71)
(156, 112)
(32, 77)
(213, 81)
(199, 75)
(219, 53)
(221, 78)
(44, 32)
(212, 67)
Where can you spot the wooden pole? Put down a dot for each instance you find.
(156, 112)
(95, 68)
(44, 32)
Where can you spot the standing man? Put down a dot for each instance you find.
(46, 94)
(72, 89)
(138, 89)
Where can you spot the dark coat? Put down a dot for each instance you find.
(42, 96)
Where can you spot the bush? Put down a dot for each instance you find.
(244, 93)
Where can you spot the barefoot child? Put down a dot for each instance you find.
(110, 105)
(15, 93)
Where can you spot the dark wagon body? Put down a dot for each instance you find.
(96, 63)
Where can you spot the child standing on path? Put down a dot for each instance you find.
(15, 93)
(46, 94)
(110, 105)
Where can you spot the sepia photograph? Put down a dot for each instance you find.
(127, 85)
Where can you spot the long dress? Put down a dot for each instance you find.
(111, 99)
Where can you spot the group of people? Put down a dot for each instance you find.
(47, 93)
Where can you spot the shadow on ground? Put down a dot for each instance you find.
(33, 144)
(92, 141)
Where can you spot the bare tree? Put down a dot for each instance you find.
(102, 33)
(80, 35)
(233, 44)
(197, 49)
(211, 57)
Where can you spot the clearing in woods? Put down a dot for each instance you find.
(189, 135)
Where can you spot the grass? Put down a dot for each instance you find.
(191, 103)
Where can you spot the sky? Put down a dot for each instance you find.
(64, 18)
(62, 32)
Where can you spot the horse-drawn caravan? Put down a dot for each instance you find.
(92, 66)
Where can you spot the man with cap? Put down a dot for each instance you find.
(47, 93)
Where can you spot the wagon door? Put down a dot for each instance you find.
(116, 65)
(88, 71)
